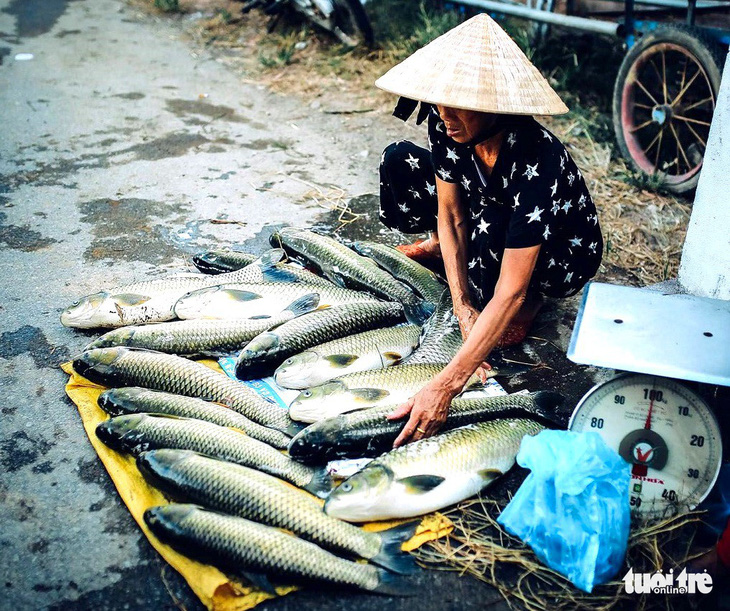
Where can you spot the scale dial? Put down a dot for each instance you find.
(664, 430)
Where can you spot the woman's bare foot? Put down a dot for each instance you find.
(521, 323)
(422, 250)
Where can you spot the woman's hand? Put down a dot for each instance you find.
(428, 410)
(467, 317)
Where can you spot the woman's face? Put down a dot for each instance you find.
(464, 126)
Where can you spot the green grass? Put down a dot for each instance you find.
(168, 6)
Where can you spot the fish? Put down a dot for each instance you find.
(345, 267)
(247, 493)
(427, 283)
(365, 389)
(121, 366)
(202, 337)
(252, 551)
(265, 352)
(136, 433)
(222, 260)
(368, 432)
(432, 473)
(151, 300)
(374, 349)
(137, 400)
(440, 337)
(253, 300)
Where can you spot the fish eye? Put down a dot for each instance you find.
(346, 487)
(307, 393)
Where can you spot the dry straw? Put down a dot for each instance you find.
(479, 547)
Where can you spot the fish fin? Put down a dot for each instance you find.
(270, 258)
(240, 295)
(391, 556)
(547, 403)
(392, 357)
(489, 475)
(279, 274)
(421, 483)
(341, 360)
(321, 483)
(293, 428)
(418, 312)
(305, 303)
(130, 299)
(260, 580)
(393, 585)
(369, 394)
(259, 317)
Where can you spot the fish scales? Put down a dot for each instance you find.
(431, 473)
(441, 336)
(158, 371)
(347, 268)
(263, 354)
(239, 544)
(426, 282)
(244, 300)
(201, 337)
(247, 493)
(369, 350)
(135, 433)
(368, 432)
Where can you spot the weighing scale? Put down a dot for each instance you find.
(665, 430)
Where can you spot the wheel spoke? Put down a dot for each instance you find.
(646, 91)
(664, 78)
(658, 150)
(692, 129)
(710, 98)
(651, 144)
(686, 87)
(680, 149)
(633, 130)
(684, 72)
(637, 105)
(688, 120)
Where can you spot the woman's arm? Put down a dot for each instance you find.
(430, 406)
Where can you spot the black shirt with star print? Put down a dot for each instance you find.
(534, 195)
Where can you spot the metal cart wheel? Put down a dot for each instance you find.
(352, 25)
(663, 102)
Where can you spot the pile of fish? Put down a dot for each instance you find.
(358, 331)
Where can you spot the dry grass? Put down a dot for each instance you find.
(643, 230)
(479, 547)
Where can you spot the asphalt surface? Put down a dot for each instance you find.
(123, 151)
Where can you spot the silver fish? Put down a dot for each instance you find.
(365, 389)
(247, 493)
(121, 366)
(441, 336)
(430, 474)
(151, 300)
(428, 284)
(252, 300)
(374, 349)
(367, 432)
(250, 549)
(135, 433)
(265, 352)
(202, 337)
(222, 261)
(345, 267)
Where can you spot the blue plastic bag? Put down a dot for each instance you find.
(573, 508)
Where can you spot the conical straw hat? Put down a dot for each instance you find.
(474, 66)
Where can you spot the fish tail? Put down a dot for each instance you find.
(547, 404)
(418, 312)
(390, 584)
(321, 483)
(304, 304)
(391, 556)
(293, 427)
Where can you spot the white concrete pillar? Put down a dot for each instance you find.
(705, 266)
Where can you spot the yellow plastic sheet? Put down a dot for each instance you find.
(215, 590)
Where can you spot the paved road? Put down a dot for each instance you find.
(120, 144)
